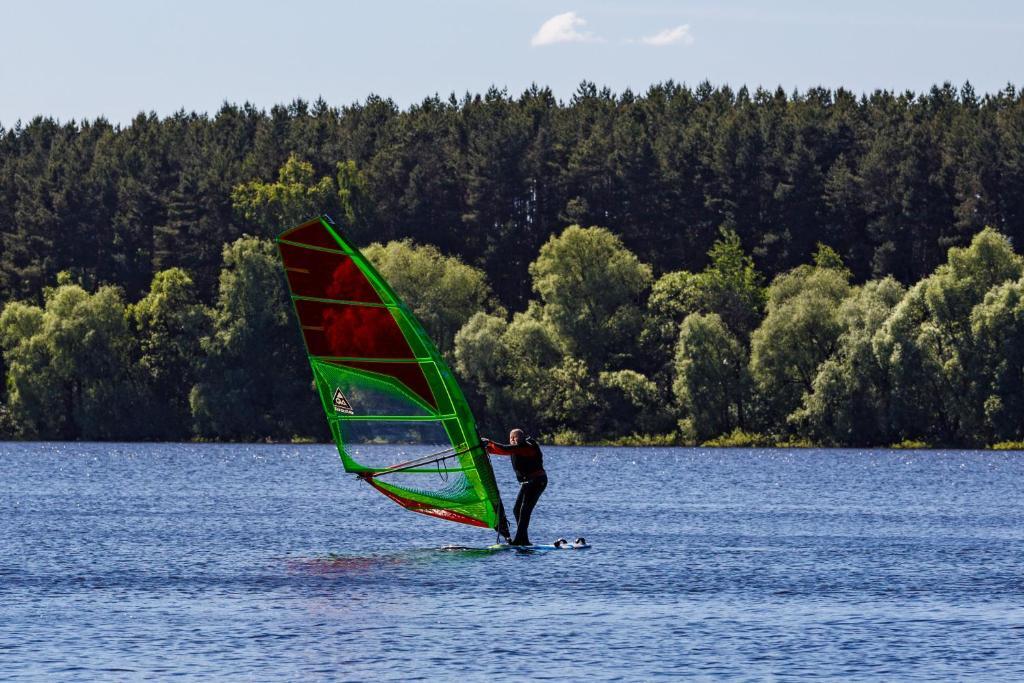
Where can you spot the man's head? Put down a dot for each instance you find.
(516, 436)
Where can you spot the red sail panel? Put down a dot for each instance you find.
(325, 275)
(312, 233)
(409, 374)
(351, 331)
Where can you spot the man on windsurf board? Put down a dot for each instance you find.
(528, 464)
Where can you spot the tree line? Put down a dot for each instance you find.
(888, 180)
(133, 301)
(604, 350)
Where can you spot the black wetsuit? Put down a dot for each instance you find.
(528, 463)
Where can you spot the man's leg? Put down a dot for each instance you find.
(529, 493)
(518, 507)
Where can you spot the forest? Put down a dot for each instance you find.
(686, 265)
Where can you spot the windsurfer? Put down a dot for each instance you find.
(528, 463)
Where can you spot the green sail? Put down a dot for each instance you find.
(397, 415)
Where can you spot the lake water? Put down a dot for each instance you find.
(129, 561)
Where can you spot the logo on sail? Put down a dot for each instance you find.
(341, 404)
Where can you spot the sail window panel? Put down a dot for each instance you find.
(312, 233)
(347, 391)
(380, 444)
(326, 275)
(351, 331)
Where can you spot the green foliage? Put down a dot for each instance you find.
(729, 287)
(27, 358)
(70, 374)
(7, 427)
(711, 382)
(546, 366)
(910, 445)
(800, 331)
(591, 288)
(795, 442)
(169, 323)
(929, 353)
(255, 382)
(295, 197)
(673, 297)
(826, 257)
(644, 440)
(524, 374)
(354, 197)
(442, 291)
(633, 404)
(479, 361)
(1008, 446)
(997, 325)
(847, 403)
(565, 437)
(738, 438)
(565, 394)
(500, 363)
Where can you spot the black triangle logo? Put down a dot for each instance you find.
(341, 404)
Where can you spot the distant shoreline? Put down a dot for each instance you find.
(999, 447)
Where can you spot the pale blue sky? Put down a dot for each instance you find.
(116, 58)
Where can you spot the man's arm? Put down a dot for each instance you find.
(495, 448)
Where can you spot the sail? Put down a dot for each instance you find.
(396, 413)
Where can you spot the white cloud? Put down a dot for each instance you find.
(679, 34)
(563, 28)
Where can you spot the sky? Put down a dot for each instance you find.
(114, 58)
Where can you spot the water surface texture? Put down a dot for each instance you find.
(129, 561)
